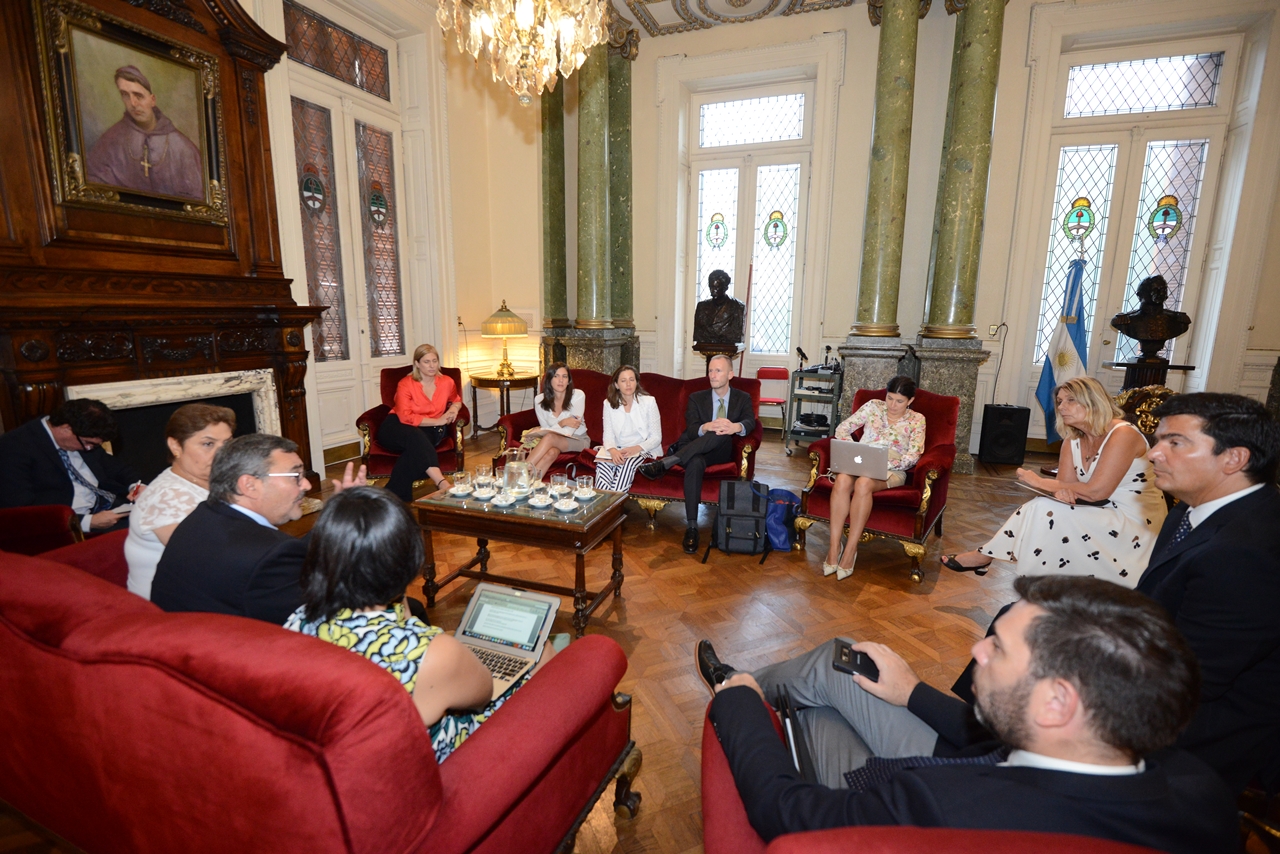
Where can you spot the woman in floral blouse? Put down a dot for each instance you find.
(888, 423)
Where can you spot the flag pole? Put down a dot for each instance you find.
(746, 314)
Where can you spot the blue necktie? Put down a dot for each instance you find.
(103, 498)
(1180, 533)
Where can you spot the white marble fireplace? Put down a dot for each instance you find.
(261, 384)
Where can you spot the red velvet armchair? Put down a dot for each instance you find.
(725, 829)
(906, 513)
(673, 398)
(377, 459)
(32, 530)
(131, 730)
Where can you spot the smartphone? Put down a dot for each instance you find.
(846, 659)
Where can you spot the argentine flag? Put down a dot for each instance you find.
(1066, 357)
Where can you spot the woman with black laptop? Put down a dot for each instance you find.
(890, 423)
(365, 549)
(1099, 516)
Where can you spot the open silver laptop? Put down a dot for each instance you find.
(507, 629)
(859, 460)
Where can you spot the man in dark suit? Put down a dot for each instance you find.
(712, 419)
(1216, 570)
(59, 459)
(228, 557)
(1085, 684)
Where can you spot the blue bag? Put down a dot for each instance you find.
(780, 520)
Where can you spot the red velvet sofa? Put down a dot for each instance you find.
(673, 399)
(725, 829)
(128, 729)
(378, 460)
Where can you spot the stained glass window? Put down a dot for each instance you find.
(313, 147)
(751, 121)
(1143, 86)
(774, 257)
(317, 42)
(717, 226)
(1084, 172)
(1170, 185)
(381, 252)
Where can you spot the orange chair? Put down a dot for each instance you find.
(774, 373)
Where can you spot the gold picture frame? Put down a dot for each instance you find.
(113, 145)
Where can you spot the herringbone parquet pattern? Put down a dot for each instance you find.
(753, 614)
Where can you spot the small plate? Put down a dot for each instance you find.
(584, 495)
(459, 491)
(566, 505)
(483, 494)
(500, 501)
(540, 502)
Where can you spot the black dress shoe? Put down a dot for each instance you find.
(712, 670)
(653, 469)
(690, 540)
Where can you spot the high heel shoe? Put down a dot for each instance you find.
(950, 562)
(829, 568)
(842, 573)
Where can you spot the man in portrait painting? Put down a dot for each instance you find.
(144, 151)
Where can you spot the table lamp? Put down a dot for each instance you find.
(504, 323)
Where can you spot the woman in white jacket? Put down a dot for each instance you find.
(632, 431)
(561, 428)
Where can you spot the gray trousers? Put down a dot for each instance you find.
(843, 725)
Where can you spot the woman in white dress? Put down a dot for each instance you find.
(1104, 458)
(194, 434)
(561, 428)
(632, 431)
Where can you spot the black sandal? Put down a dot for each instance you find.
(950, 562)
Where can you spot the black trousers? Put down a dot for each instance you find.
(709, 449)
(417, 449)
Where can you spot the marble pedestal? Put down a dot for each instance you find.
(950, 366)
(600, 350)
(869, 362)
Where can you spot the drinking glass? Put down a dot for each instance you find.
(559, 485)
(586, 484)
(484, 475)
(462, 482)
(539, 492)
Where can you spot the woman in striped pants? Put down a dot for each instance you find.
(632, 431)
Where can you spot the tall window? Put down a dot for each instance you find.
(313, 148)
(317, 42)
(381, 255)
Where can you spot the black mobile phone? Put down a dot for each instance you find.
(846, 659)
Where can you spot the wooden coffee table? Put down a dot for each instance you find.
(579, 532)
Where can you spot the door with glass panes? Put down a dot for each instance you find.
(750, 182)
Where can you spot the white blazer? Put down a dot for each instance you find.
(550, 421)
(643, 422)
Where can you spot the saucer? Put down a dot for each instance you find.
(459, 491)
(483, 494)
(566, 505)
(500, 500)
(540, 502)
(584, 494)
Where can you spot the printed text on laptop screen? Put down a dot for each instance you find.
(507, 620)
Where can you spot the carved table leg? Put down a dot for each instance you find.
(483, 553)
(429, 585)
(617, 560)
(580, 596)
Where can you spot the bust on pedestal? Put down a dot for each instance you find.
(718, 323)
(1152, 325)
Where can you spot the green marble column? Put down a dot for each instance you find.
(620, 190)
(963, 196)
(887, 182)
(946, 146)
(555, 263)
(593, 191)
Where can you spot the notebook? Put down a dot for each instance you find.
(859, 460)
(507, 628)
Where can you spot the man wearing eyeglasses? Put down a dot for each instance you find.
(59, 459)
(228, 556)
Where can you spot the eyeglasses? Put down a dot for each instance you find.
(87, 444)
(296, 475)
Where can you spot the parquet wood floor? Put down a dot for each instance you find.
(753, 614)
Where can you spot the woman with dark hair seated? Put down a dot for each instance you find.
(561, 427)
(365, 550)
(890, 423)
(632, 431)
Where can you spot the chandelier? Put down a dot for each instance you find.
(527, 41)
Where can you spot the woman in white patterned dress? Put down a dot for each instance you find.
(890, 423)
(194, 434)
(1103, 459)
(632, 431)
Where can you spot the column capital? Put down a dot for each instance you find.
(874, 7)
(624, 39)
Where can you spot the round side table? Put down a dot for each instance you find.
(504, 387)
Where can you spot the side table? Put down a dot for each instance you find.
(504, 386)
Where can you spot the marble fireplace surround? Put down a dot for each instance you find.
(261, 384)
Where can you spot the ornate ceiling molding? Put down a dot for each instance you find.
(624, 39)
(668, 17)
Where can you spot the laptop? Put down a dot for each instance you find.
(507, 628)
(859, 460)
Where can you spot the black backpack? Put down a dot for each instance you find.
(739, 526)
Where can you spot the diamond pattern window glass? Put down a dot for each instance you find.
(1172, 175)
(317, 42)
(313, 147)
(774, 257)
(717, 226)
(751, 121)
(1084, 172)
(378, 215)
(1143, 86)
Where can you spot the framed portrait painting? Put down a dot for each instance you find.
(135, 119)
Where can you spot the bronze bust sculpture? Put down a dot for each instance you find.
(718, 320)
(1152, 324)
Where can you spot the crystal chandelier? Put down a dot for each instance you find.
(527, 41)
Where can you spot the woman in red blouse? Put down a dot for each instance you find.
(427, 403)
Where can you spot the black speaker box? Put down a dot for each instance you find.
(1004, 434)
